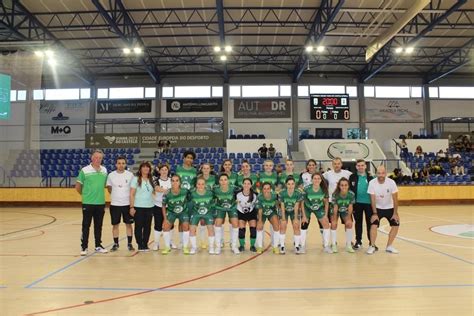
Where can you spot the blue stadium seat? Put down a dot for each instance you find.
(233, 137)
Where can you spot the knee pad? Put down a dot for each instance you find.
(394, 222)
(304, 226)
(376, 222)
(242, 233)
(253, 232)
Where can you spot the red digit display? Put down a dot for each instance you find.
(329, 107)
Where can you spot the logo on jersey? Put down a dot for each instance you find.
(202, 210)
(226, 205)
(178, 209)
(186, 185)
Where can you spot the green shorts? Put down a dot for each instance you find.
(290, 215)
(196, 218)
(269, 216)
(172, 217)
(232, 213)
(318, 213)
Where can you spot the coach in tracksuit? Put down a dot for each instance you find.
(359, 182)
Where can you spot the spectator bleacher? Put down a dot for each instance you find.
(247, 136)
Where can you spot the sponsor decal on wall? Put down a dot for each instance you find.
(262, 108)
(58, 132)
(193, 105)
(123, 106)
(61, 112)
(396, 110)
(348, 150)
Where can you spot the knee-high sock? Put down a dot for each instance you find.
(230, 234)
(167, 238)
(297, 240)
(193, 240)
(276, 239)
(157, 235)
(218, 232)
(272, 234)
(349, 237)
(202, 234)
(211, 240)
(259, 241)
(235, 236)
(333, 236)
(282, 240)
(304, 233)
(181, 238)
(326, 234)
(186, 238)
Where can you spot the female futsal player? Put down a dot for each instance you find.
(305, 177)
(175, 206)
(267, 205)
(246, 200)
(316, 200)
(162, 184)
(227, 169)
(268, 175)
(343, 200)
(201, 206)
(205, 171)
(290, 201)
(246, 173)
(225, 204)
(289, 172)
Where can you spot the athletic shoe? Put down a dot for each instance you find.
(192, 251)
(276, 250)
(371, 250)
(376, 248)
(166, 251)
(302, 249)
(241, 248)
(212, 251)
(297, 250)
(217, 251)
(186, 250)
(328, 249)
(156, 247)
(334, 248)
(141, 249)
(253, 249)
(84, 252)
(235, 250)
(357, 246)
(259, 250)
(173, 246)
(101, 249)
(130, 247)
(146, 249)
(391, 249)
(349, 249)
(282, 250)
(115, 247)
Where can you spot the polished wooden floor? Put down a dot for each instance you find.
(41, 273)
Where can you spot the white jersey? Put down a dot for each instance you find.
(306, 179)
(383, 192)
(120, 184)
(333, 178)
(158, 196)
(243, 204)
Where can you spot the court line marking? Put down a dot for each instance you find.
(432, 217)
(449, 236)
(426, 247)
(54, 219)
(153, 290)
(310, 289)
(41, 233)
(47, 228)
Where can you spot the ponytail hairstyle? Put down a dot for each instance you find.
(252, 192)
(311, 160)
(323, 185)
(338, 189)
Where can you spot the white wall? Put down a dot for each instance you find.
(451, 108)
(252, 145)
(384, 131)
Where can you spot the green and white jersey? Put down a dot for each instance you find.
(225, 201)
(283, 176)
(314, 201)
(176, 203)
(343, 202)
(241, 177)
(271, 178)
(93, 184)
(188, 177)
(290, 200)
(232, 178)
(201, 204)
(268, 206)
(211, 182)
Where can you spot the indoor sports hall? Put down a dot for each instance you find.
(224, 157)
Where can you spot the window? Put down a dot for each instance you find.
(126, 93)
(285, 91)
(62, 94)
(456, 93)
(327, 89)
(303, 91)
(433, 91)
(392, 92)
(12, 95)
(150, 93)
(351, 91)
(85, 93)
(21, 95)
(192, 91)
(217, 92)
(234, 91)
(416, 92)
(168, 92)
(102, 93)
(369, 91)
(38, 94)
(260, 91)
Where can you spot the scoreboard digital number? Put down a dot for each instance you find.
(328, 107)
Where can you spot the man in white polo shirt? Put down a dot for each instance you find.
(118, 185)
(332, 177)
(384, 200)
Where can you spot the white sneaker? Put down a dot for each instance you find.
(156, 247)
(173, 246)
(235, 250)
(391, 249)
(84, 252)
(328, 249)
(218, 251)
(282, 250)
(370, 250)
(192, 251)
(302, 249)
(101, 249)
(212, 251)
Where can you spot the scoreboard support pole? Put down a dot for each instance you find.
(294, 117)
(427, 109)
(158, 99)
(225, 111)
(92, 109)
(361, 99)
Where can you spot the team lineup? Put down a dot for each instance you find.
(198, 202)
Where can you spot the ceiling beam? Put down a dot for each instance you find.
(122, 24)
(323, 19)
(220, 18)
